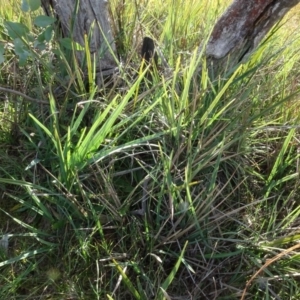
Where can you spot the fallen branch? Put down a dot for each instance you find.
(24, 96)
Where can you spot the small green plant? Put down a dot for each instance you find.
(26, 44)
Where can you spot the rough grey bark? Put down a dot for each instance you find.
(91, 18)
(236, 34)
(243, 25)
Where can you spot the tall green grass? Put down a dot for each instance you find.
(179, 188)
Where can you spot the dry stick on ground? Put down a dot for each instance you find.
(268, 262)
(23, 95)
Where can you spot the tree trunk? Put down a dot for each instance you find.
(89, 18)
(236, 34)
(243, 25)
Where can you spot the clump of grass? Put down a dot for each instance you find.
(181, 188)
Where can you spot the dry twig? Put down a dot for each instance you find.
(23, 95)
(268, 262)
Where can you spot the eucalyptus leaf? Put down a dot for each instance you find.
(30, 5)
(43, 21)
(48, 33)
(2, 53)
(16, 30)
(21, 51)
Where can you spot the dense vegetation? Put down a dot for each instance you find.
(169, 186)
